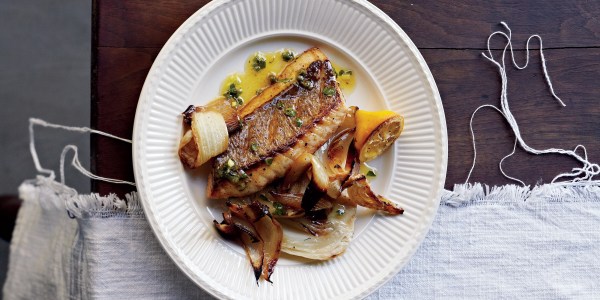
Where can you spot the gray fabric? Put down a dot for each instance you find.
(118, 255)
(107, 252)
(508, 242)
(41, 247)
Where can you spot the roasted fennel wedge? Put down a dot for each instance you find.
(325, 242)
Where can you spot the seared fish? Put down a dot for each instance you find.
(297, 114)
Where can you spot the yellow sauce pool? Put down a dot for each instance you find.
(254, 78)
(345, 78)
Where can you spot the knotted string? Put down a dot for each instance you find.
(586, 172)
(75, 161)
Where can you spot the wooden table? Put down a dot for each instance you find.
(451, 34)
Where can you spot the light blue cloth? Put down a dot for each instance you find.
(507, 243)
(503, 243)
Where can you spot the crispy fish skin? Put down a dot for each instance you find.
(301, 118)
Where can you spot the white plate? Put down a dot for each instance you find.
(391, 74)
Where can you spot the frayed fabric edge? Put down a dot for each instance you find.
(50, 193)
(110, 206)
(478, 194)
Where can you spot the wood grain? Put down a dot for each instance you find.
(467, 23)
(121, 75)
(450, 35)
(466, 80)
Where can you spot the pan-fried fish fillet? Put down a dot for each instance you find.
(293, 116)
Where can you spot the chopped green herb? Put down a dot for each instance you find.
(272, 77)
(341, 211)
(259, 91)
(303, 81)
(239, 100)
(279, 209)
(259, 62)
(269, 161)
(232, 92)
(298, 122)
(263, 197)
(328, 91)
(254, 147)
(230, 172)
(288, 55)
(371, 173)
(230, 163)
(345, 72)
(279, 104)
(290, 112)
(307, 84)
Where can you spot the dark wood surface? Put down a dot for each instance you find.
(451, 34)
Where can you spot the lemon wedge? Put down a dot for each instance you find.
(376, 131)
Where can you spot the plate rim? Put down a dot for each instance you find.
(142, 106)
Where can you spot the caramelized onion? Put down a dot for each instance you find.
(289, 200)
(260, 234)
(188, 150)
(319, 175)
(220, 105)
(359, 192)
(271, 233)
(322, 204)
(255, 252)
(298, 168)
(207, 138)
(350, 119)
(224, 228)
(337, 152)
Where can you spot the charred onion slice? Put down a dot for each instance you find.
(251, 241)
(287, 199)
(225, 229)
(220, 105)
(279, 209)
(255, 251)
(320, 178)
(259, 232)
(335, 189)
(350, 119)
(322, 204)
(298, 168)
(271, 233)
(318, 172)
(337, 152)
(207, 138)
(188, 149)
(360, 193)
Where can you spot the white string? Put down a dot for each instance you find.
(75, 161)
(475, 148)
(502, 161)
(587, 171)
(77, 165)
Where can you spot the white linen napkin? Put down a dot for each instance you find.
(499, 243)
